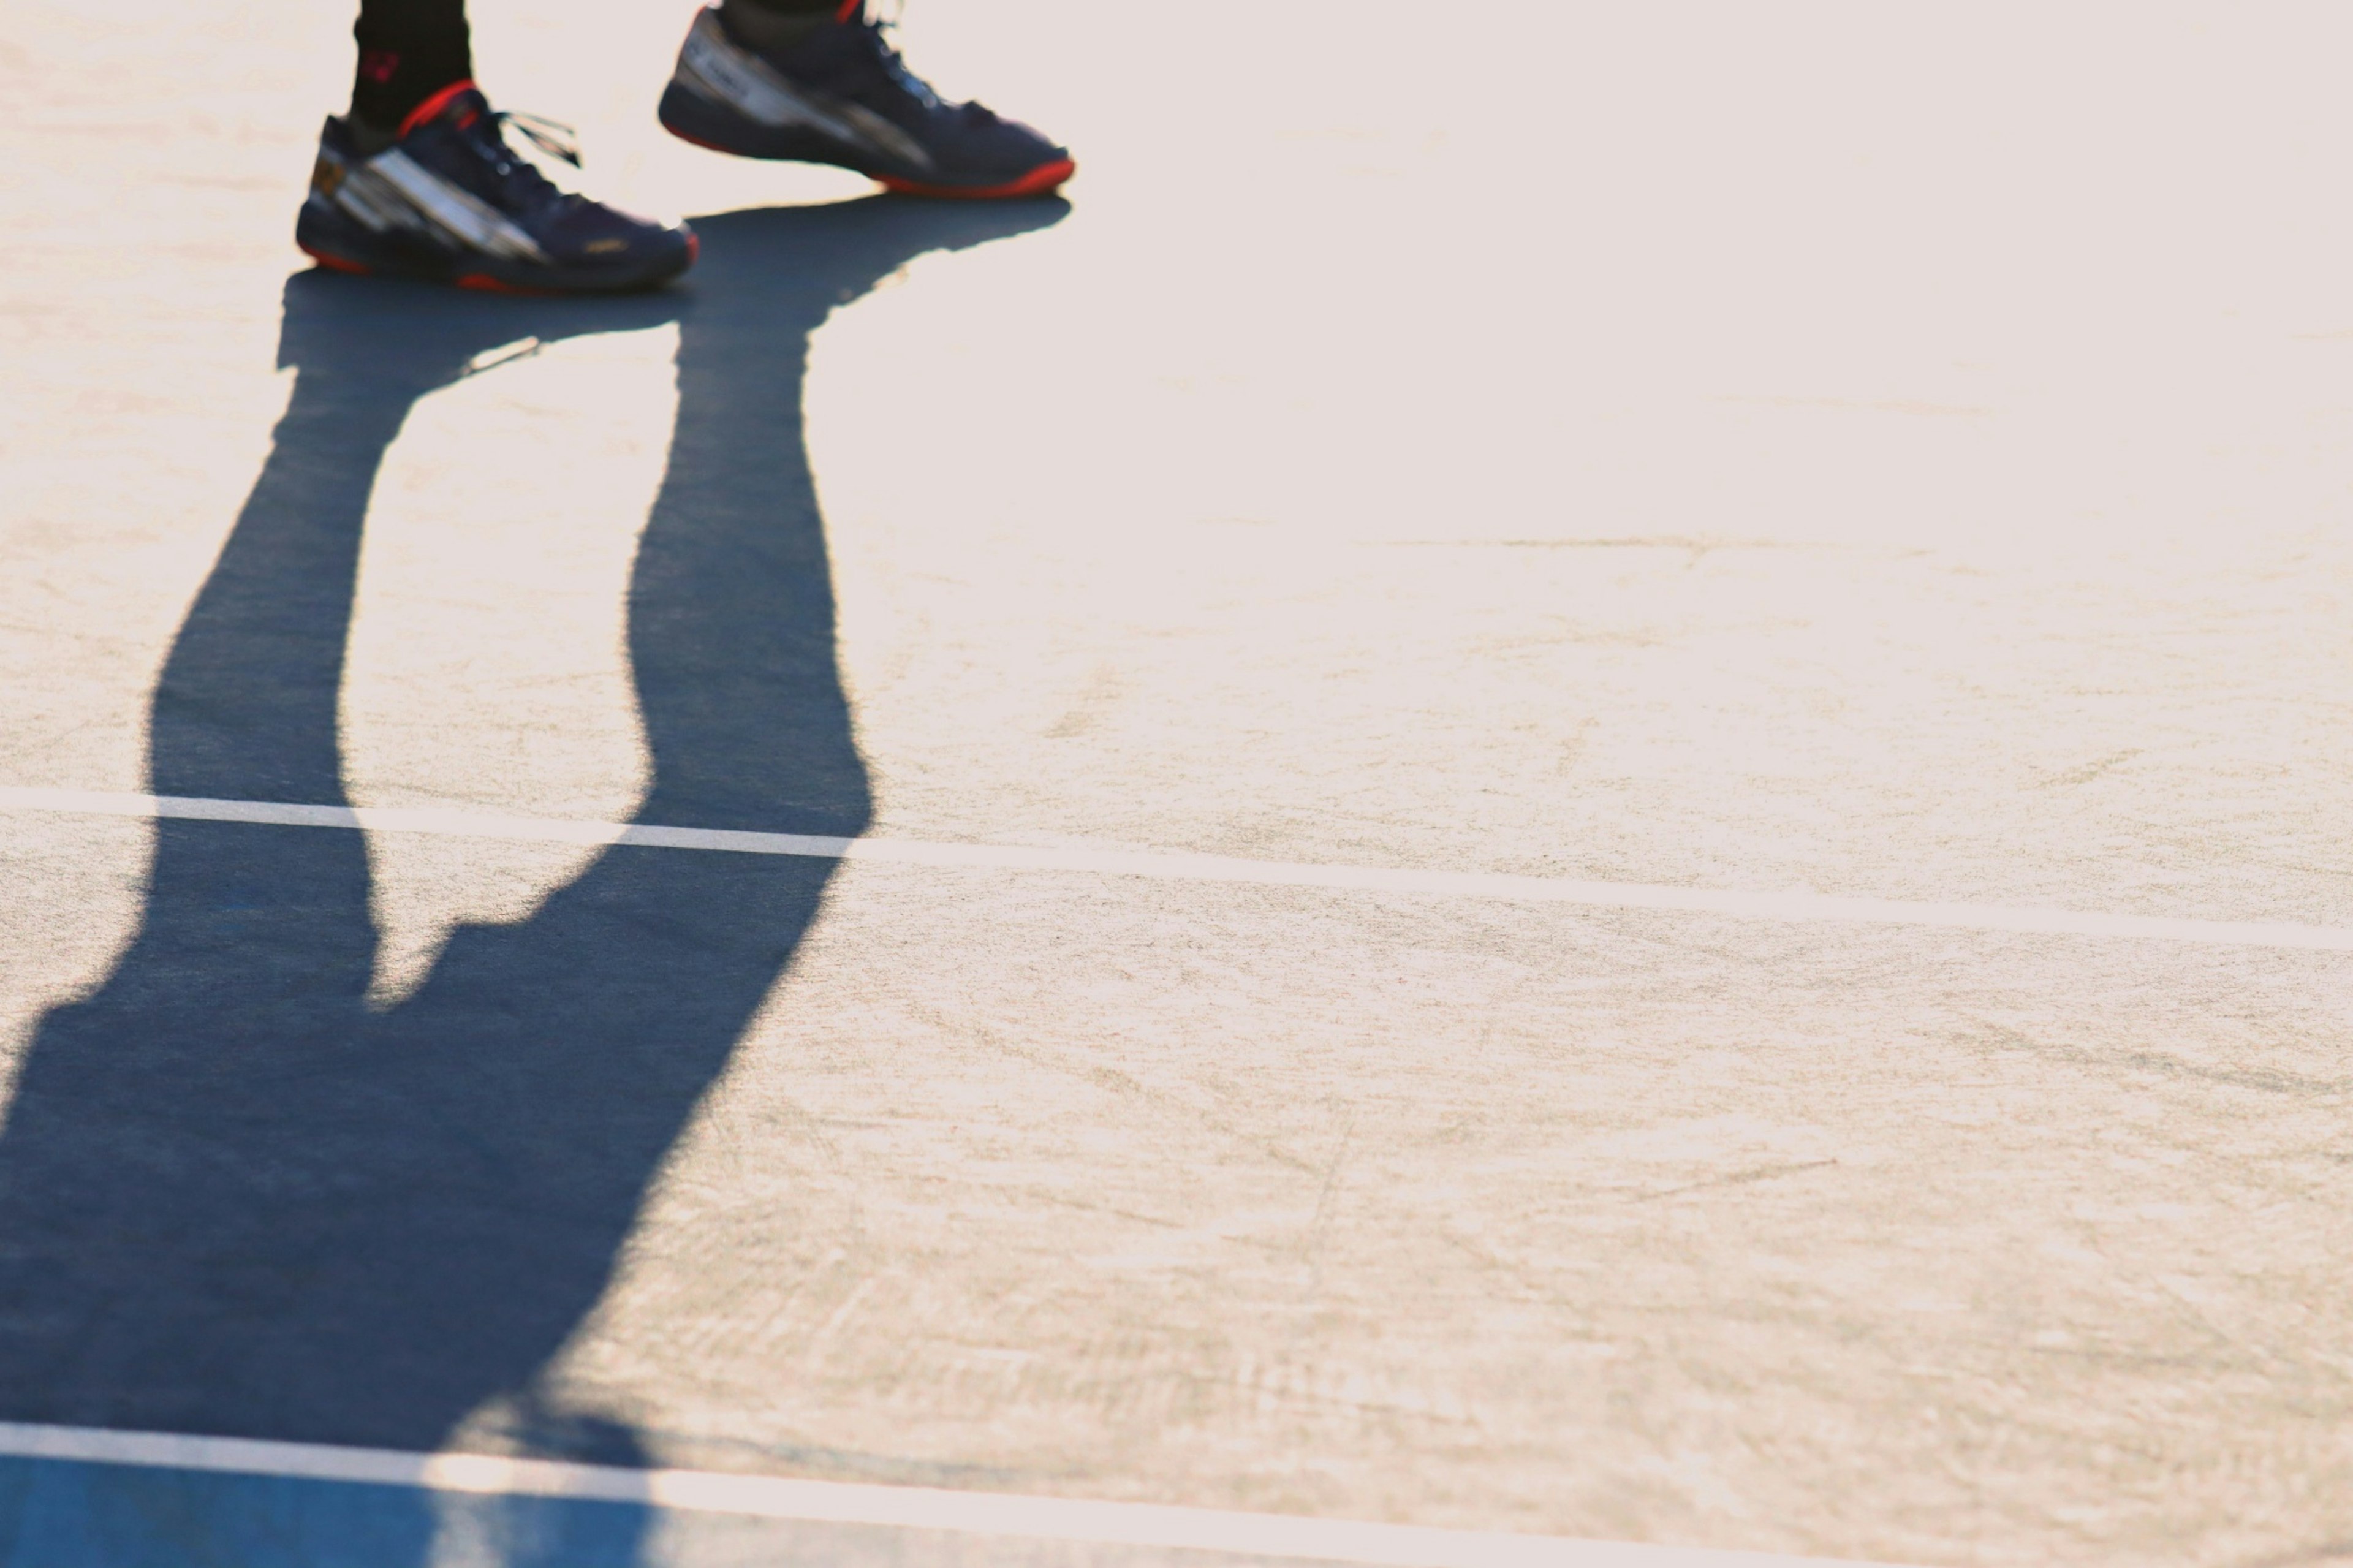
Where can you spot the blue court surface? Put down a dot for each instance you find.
(112, 1496)
(1569, 787)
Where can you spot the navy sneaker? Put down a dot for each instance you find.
(840, 94)
(450, 201)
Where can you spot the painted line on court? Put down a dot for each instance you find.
(1133, 1524)
(1788, 907)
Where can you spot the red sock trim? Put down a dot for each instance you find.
(434, 105)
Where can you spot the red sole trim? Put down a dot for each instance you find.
(1038, 182)
(334, 263)
(489, 284)
(699, 142)
(483, 281)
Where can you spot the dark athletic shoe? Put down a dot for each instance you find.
(841, 96)
(450, 201)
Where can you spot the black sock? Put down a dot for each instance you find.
(777, 24)
(409, 50)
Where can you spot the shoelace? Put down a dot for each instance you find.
(551, 137)
(522, 182)
(886, 54)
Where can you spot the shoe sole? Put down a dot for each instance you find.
(1044, 180)
(688, 117)
(335, 260)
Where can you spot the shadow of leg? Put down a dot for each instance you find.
(234, 1201)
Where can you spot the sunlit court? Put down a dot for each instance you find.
(1557, 786)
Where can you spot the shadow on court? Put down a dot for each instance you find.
(234, 1200)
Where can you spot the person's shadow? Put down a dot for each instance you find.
(235, 1199)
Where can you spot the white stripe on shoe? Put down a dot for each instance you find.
(462, 216)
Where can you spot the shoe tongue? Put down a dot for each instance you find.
(457, 105)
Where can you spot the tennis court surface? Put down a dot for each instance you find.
(1574, 788)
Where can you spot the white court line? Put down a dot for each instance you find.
(1784, 907)
(908, 1507)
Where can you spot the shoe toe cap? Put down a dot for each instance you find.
(1002, 150)
(595, 236)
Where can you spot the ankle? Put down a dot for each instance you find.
(368, 136)
(772, 27)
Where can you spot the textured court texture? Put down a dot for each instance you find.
(1785, 453)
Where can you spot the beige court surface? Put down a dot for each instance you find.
(1783, 447)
